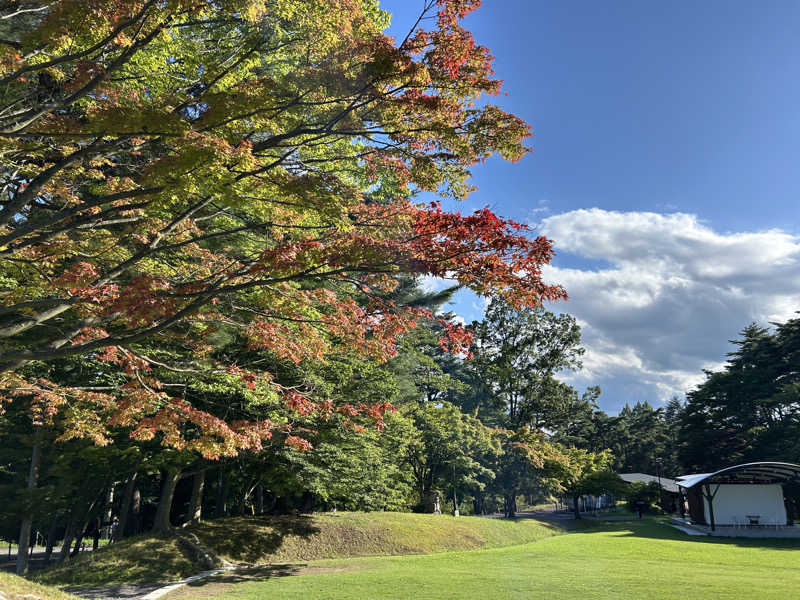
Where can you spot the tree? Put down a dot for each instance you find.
(517, 353)
(750, 410)
(173, 167)
(424, 370)
(644, 495)
(451, 451)
(644, 438)
(528, 465)
(582, 423)
(589, 473)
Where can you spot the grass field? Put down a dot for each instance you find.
(278, 540)
(636, 560)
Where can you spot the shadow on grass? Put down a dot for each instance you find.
(661, 530)
(250, 539)
(220, 585)
(251, 574)
(134, 560)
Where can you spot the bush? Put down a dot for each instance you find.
(647, 493)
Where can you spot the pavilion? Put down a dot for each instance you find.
(743, 495)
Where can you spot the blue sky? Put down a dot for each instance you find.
(664, 169)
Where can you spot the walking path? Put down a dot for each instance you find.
(153, 591)
(115, 592)
(141, 591)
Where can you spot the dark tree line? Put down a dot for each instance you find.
(749, 411)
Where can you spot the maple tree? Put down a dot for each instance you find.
(174, 167)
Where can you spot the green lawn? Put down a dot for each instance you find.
(287, 539)
(637, 560)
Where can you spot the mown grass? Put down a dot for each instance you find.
(613, 560)
(340, 535)
(276, 540)
(135, 560)
(17, 588)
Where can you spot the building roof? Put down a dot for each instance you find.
(668, 485)
(748, 473)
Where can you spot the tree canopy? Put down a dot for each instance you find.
(183, 171)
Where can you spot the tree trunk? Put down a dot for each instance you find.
(25, 527)
(575, 507)
(171, 477)
(96, 532)
(108, 509)
(269, 506)
(510, 505)
(222, 494)
(136, 511)
(82, 531)
(51, 535)
(307, 502)
(260, 499)
(125, 509)
(196, 502)
(69, 534)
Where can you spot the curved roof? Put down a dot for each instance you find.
(757, 472)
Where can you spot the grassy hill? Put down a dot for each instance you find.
(17, 588)
(635, 560)
(291, 539)
(140, 559)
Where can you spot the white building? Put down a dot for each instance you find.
(748, 494)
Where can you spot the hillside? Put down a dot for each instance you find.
(265, 540)
(612, 560)
(341, 535)
(13, 587)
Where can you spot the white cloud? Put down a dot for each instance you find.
(669, 293)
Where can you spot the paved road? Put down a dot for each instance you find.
(8, 561)
(548, 514)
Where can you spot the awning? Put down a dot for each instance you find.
(752, 473)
